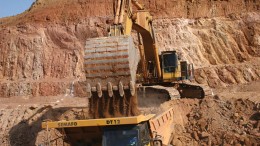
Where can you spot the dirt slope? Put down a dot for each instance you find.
(231, 118)
(42, 48)
(67, 11)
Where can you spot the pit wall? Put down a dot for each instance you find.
(200, 8)
(73, 11)
(39, 59)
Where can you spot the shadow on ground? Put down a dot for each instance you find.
(25, 132)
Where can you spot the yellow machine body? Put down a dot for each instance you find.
(142, 130)
(170, 76)
(98, 122)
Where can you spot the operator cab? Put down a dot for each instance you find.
(169, 61)
(173, 69)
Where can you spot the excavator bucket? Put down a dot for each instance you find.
(110, 68)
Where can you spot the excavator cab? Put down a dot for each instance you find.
(173, 69)
(170, 66)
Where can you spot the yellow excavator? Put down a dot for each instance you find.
(114, 67)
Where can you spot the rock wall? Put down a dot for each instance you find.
(43, 60)
(200, 8)
(224, 50)
(41, 50)
(66, 11)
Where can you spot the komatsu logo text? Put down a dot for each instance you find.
(67, 124)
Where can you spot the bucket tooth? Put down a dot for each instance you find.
(132, 88)
(89, 94)
(121, 89)
(99, 90)
(110, 89)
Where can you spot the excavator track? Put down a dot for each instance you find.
(110, 68)
(173, 90)
(188, 89)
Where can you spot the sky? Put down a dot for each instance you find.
(13, 7)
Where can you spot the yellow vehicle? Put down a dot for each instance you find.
(114, 67)
(148, 130)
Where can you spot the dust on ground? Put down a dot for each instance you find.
(230, 117)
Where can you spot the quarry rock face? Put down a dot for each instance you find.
(223, 50)
(41, 50)
(42, 60)
(41, 68)
(73, 11)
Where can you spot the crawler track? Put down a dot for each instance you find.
(192, 90)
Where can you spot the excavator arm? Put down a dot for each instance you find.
(139, 20)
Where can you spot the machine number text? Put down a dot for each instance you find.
(113, 122)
